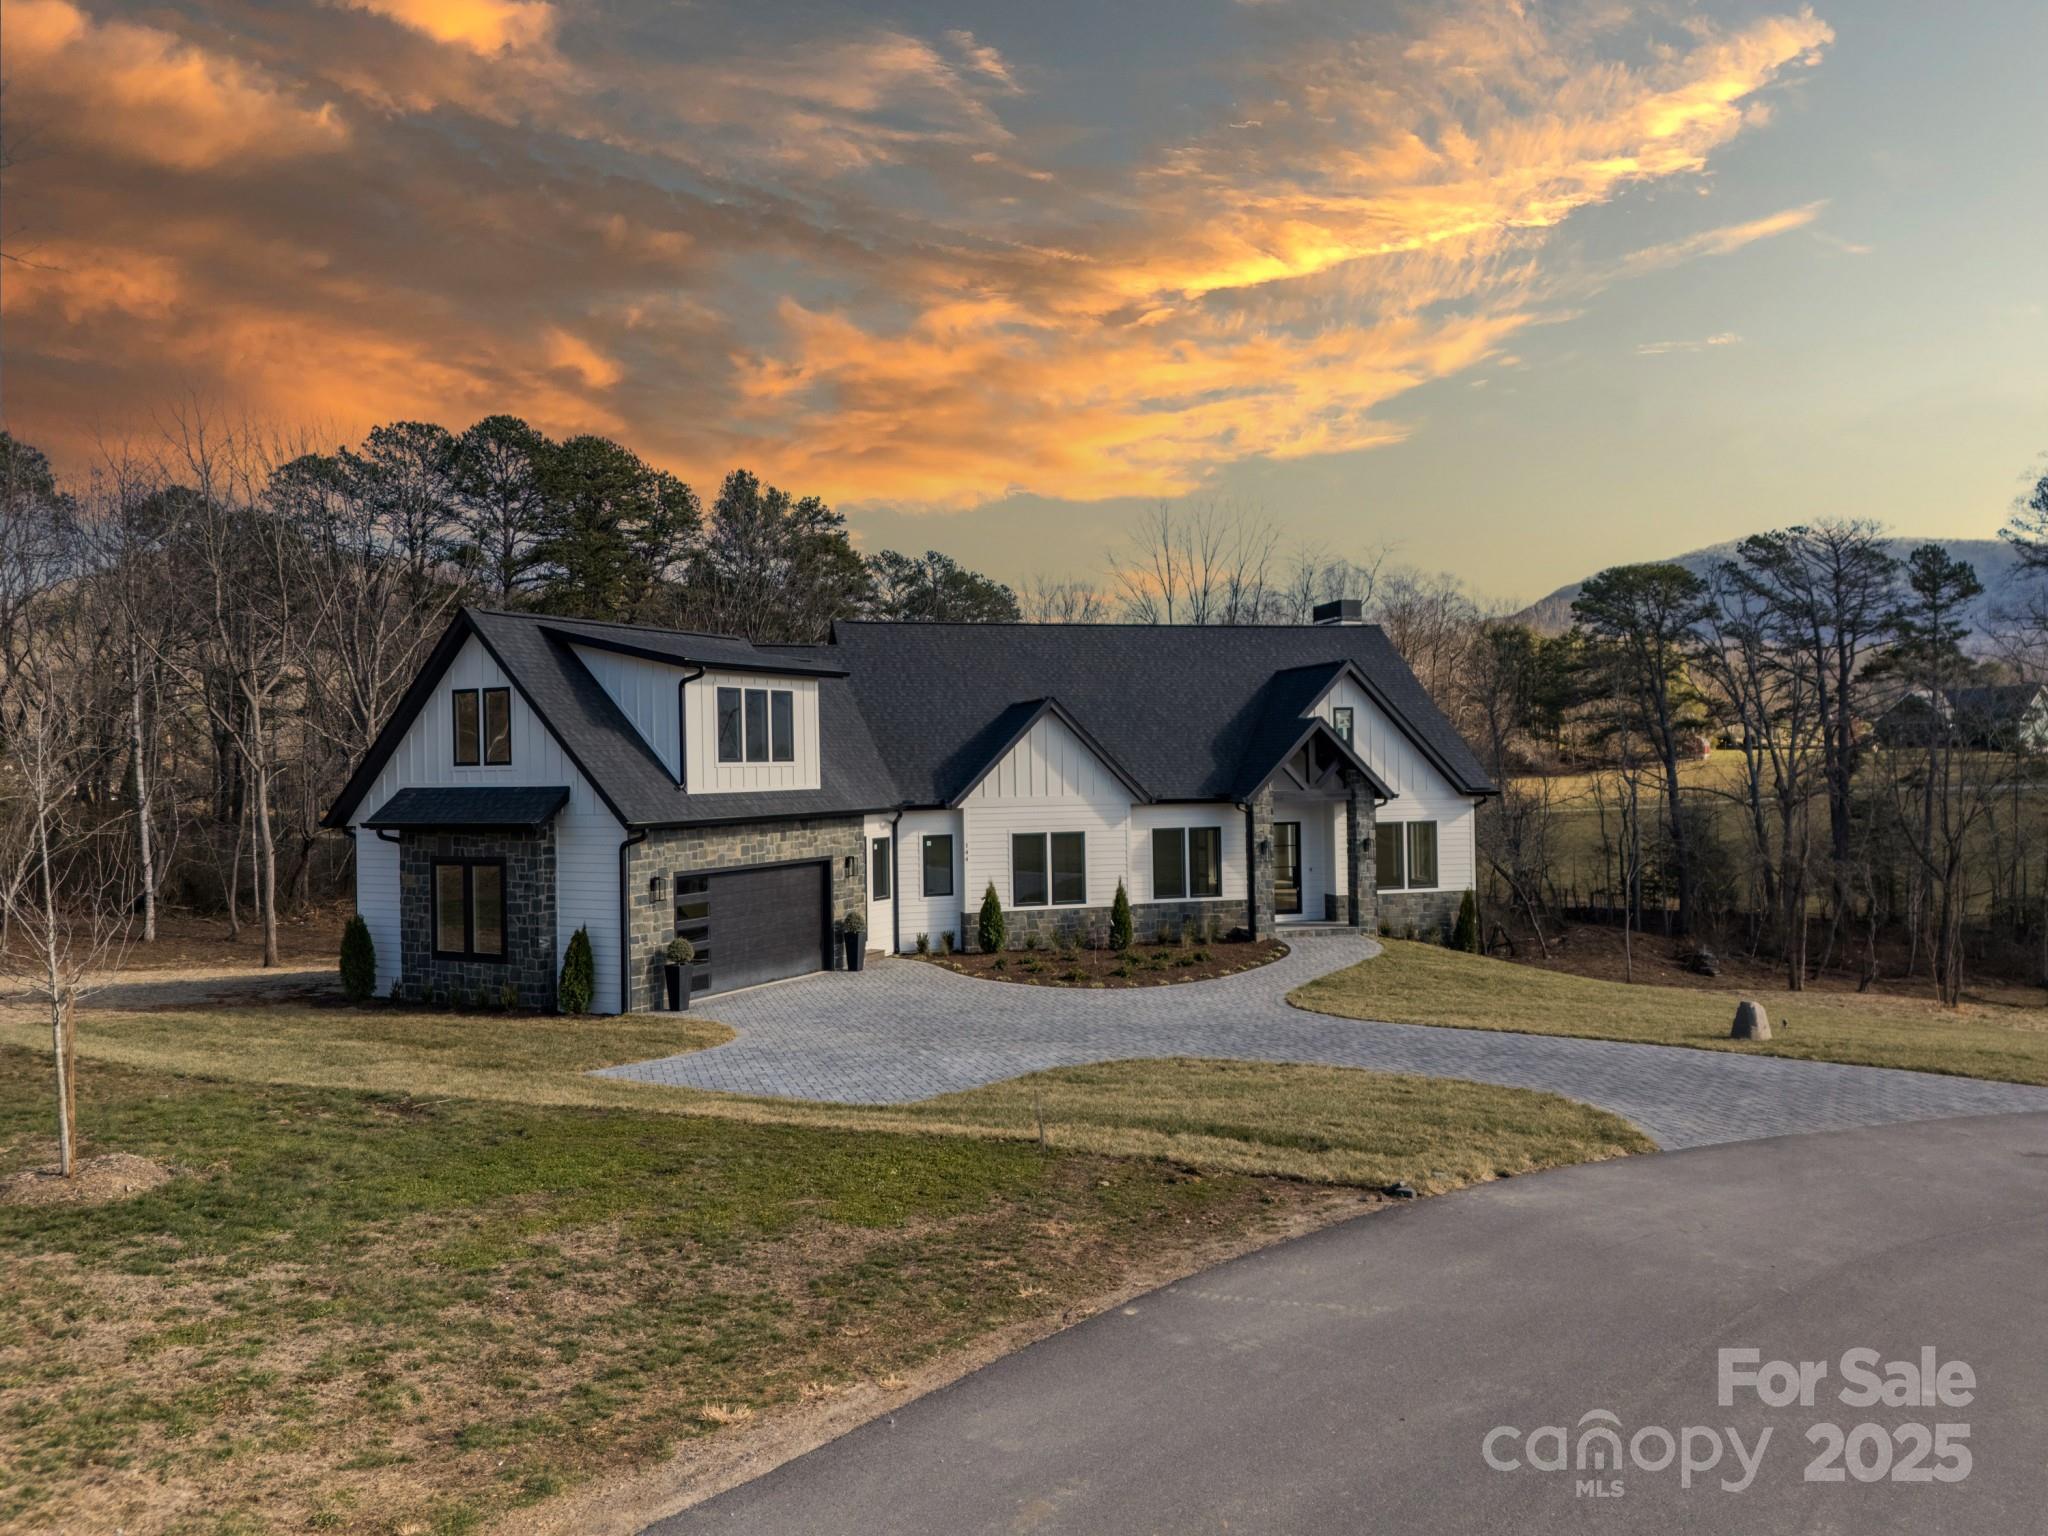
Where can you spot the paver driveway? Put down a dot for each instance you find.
(904, 1030)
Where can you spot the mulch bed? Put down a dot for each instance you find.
(96, 1181)
(1145, 965)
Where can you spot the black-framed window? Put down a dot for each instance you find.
(469, 729)
(729, 737)
(1422, 871)
(497, 726)
(1169, 863)
(1205, 861)
(781, 725)
(878, 869)
(1341, 723)
(469, 909)
(1390, 856)
(756, 725)
(1048, 868)
(938, 864)
(1187, 862)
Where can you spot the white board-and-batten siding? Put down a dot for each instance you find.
(1421, 792)
(587, 835)
(1050, 781)
(706, 775)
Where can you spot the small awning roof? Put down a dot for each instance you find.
(470, 806)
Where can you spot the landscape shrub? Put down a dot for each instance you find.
(1120, 920)
(358, 961)
(579, 974)
(1465, 934)
(991, 931)
(924, 944)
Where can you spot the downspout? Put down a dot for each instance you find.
(683, 729)
(626, 924)
(895, 883)
(1251, 871)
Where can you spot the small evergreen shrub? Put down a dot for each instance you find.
(1465, 935)
(855, 923)
(991, 930)
(1031, 942)
(1120, 920)
(924, 944)
(358, 961)
(948, 942)
(681, 951)
(579, 974)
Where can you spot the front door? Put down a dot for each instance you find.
(1287, 868)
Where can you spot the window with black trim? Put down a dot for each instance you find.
(497, 726)
(1048, 869)
(469, 732)
(1340, 722)
(1422, 875)
(756, 725)
(469, 909)
(938, 864)
(1187, 862)
(878, 866)
(1389, 856)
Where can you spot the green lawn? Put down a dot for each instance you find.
(405, 1313)
(1422, 984)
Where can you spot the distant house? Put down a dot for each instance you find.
(2004, 717)
(545, 775)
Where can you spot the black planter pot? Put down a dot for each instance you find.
(678, 989)
(856, 948)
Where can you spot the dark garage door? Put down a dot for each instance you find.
(755, 925)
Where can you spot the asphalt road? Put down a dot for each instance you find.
(1347, 1382)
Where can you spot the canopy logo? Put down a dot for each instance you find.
(1596, 1446)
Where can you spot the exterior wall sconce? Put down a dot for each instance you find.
(1265, 847)
(851, 861)
(657, 886)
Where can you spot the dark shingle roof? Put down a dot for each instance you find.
(913, 714)
(471, 805)
(1189, 712)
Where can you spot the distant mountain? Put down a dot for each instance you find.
(1995, 563)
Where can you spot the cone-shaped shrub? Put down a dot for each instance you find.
(579, 974)
(1120, 920)
(358, 961)
(991, 931)
(1465, 935)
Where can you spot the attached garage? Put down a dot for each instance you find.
(756, 924)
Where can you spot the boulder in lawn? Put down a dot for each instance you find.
(1751, 1022)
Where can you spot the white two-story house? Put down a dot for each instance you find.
(546, 775)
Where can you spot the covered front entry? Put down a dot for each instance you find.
(1309, 871)
(755, 925)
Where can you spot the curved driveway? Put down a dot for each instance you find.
(1349, 1381)
(905, 1030)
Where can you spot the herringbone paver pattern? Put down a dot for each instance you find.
(903, 1030)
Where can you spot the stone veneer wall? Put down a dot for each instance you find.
(1428, 914)
(1090, 925)
(705, 850)
(530, 965)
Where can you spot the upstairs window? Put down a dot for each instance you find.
(756, 725)
(483, 727)
(1340, 722)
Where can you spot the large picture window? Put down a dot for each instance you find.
(1389, 856)
(1187, 862)
(1048, 869)
(469, 909)
(756, 725)
(938, 865)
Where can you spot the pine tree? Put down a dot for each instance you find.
(1120, 920)
(1465, 936)
(358, 961)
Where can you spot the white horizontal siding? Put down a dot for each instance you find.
(1422, 793)
(1144, 818)
(920, 911)
(587, 835)
(646, 693)
(705, 774)
(880, 912)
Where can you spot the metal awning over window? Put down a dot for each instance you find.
(471, 808)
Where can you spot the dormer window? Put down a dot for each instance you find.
(483, 727)
(756, 725)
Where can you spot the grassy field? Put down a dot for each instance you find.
(416, 1271)
(1423, 984)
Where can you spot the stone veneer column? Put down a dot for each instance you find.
(1363, 872)
(1258, 846)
